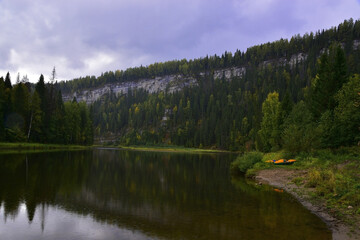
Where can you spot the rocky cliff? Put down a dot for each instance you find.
(169, 83)
(172, 83)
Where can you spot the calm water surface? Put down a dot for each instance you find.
(114, 194)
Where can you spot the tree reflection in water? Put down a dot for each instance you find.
(161, 195)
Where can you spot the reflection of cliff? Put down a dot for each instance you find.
(172, 196)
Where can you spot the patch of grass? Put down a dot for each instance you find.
(313, 178)
(336, 179)
(170, 149)
(5, 146)
(298, 181)
(251, 173)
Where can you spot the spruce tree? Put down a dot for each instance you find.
(8, 81)
(2, 109)
(332, 74)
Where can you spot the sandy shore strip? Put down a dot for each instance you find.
(281, 178)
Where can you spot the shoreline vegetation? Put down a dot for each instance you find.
(23, 146)
(166, 148)
(327, 182)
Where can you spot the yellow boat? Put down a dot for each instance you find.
(282, 161)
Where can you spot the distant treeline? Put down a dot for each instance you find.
(38, 114)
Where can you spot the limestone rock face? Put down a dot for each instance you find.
(297, 58)
(356, 44)
(170, 83)
(228, 73)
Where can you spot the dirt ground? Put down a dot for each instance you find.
(281, 178)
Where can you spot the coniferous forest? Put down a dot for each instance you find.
(300, 105)
(37, 113)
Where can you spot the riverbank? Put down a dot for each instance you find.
(327, 182)
(283, 179)
(177, 149)
(7, 147)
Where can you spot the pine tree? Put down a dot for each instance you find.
(2, 109)
(34, 130)
(53, 75)
(332, 74)
(347, 112)
(300, 131)
(17, 121)
(8, 81)
(41, 91)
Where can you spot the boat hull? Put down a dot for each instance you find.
(284, 163)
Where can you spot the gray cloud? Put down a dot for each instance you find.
(87, 37)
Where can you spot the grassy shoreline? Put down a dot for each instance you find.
(177, 149)
(23, 146)
(329, 179)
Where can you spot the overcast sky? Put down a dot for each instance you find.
(88, 37)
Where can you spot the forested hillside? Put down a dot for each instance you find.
(297, 94)
(310, 103)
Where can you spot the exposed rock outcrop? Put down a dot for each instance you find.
(170, 83)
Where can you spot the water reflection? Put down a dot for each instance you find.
(144, 195)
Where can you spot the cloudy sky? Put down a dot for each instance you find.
(88, 37)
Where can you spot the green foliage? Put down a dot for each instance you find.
(333, 175)
(347, 112)
(2, 108)
(78, 126)
(300, 132)
(40, 116)
(14, 134)
(20, 105)
(298, 181)
(246, 161)
(331, 75)
(188, 118)
(286, 105)
(337, 184)
(35, 117)
(8, 81)
(270, 131)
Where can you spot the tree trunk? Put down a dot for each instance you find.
(28, 137)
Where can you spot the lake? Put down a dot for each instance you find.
(117, 194)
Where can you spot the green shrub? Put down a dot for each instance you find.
(246, 161)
